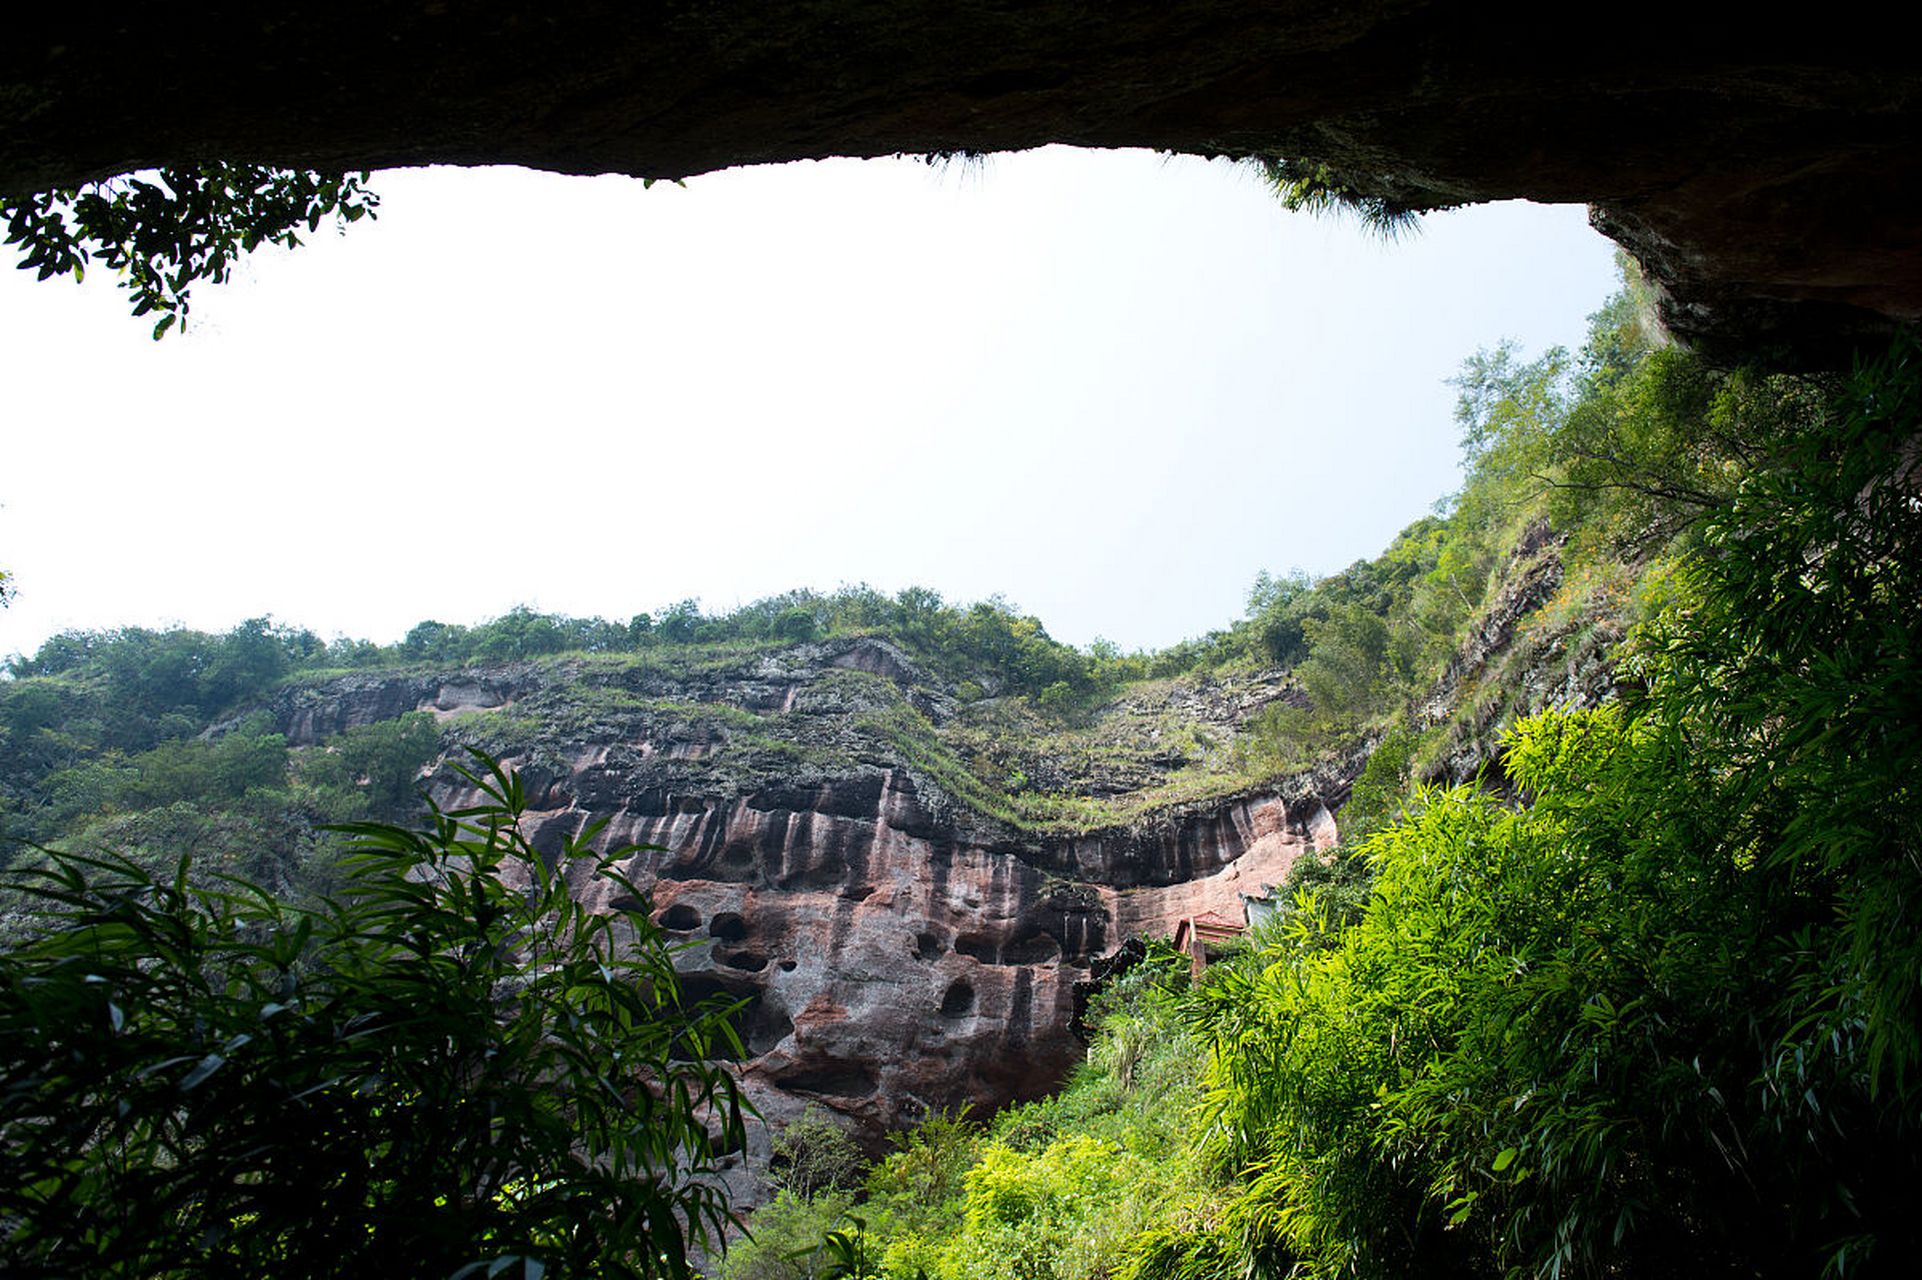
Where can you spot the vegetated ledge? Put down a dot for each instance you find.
(1764, 172)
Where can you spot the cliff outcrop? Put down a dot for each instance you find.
(894, 949)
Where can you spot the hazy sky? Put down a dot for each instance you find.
(1109, 386)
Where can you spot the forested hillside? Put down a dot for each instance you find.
(1613, 970)
(1638, 1000)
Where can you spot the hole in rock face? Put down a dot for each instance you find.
(626, 902)
(1038, 948)
(978, 945)
(759, 1024)
(841, 1080)
(550, 838)
(787, 966)
(747, 960)
(766, 1028)
(680, 918)
(927, 947)
(738, 855)
(958, 1001)
(728, 926)
(719, 1143)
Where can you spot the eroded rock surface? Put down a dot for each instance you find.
(896, 952)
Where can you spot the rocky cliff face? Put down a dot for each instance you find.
(895, 950)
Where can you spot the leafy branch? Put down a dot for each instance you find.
(452, 1067)
(165, 230)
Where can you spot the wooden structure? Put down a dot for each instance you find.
(1195, 934)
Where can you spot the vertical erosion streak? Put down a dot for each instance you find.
(877, 846)
(713, 836)
(1243, 823)
(1020, 1009)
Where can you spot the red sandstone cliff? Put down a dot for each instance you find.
(894, 952)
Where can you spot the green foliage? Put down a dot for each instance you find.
(222, 771)
(1059, 1189)
(1139, 1080)
(1789, 666)
(1053, 1214)
(1184, 1250)
(845, 1254)
(1380, 794)
(813, 1154)
(1347, 669)
(131, 688)
(1589, 470)
(1277, 609)
(913, 1197)
(1653, 450)
(258, 838)
(927, 1166)
(1507, 409)
(786, 1237)
(452, 1068)
(1662, 1017)
(1336, 885)
(793, 626)
(168, 229)
(1311, 186)
(373, 769)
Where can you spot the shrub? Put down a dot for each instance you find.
(452, 1068)
(814, 1154)
(785, 1238)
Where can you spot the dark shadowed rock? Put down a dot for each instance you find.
(1764, 168)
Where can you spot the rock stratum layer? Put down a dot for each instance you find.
(1763, 169)
(894, 951)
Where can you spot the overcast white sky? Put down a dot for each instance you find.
(1109, 386)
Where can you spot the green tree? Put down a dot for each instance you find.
(372, 769)
(432, 641)
(813, 1154)
(450, 1069)
(679, 623)
(794, 625)
(1653, 450)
